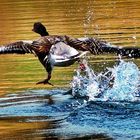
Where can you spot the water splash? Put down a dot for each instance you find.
(87, 21)
(120, 83)
(83, 80)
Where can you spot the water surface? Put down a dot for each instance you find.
(30, 111)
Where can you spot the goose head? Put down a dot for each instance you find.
(39, 28)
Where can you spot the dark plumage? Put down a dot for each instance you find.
(48, 46)
(95, 46)
(39, 28)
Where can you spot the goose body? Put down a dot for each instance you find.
(62, 55)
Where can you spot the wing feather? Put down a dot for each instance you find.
(20, 47)
(88, 44)
(97, 46)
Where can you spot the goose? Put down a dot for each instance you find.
(62, 50)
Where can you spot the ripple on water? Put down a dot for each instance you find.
(86, 113)
(53, 113)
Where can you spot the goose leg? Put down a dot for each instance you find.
(46, 81)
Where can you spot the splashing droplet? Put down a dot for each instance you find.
(120, 83)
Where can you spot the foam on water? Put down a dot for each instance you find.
(120, 83)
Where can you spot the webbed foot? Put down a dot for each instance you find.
(45, 81)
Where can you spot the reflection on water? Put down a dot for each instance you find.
(39, 114)
(51, 114)
(46, 114)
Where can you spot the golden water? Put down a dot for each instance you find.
(116, 21)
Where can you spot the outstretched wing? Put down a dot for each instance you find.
(20, 47)
(130, 52)
(97, 46)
